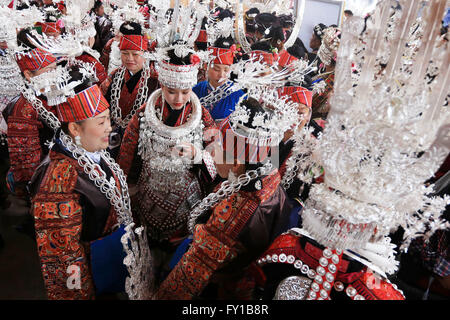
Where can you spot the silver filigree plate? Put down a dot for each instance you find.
(293, 288)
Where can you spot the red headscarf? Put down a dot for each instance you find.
(86, 104)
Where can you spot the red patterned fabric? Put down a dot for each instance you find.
(215, 244)
(223, 56)
(297, 94)
(285, 59)
(58, 224)
(310, 254)
(86, 104)
(25, 152)
(100, 70)
(106, 51)
(61, 6)
(266, 57)
(372, 288)
(49, 27)
(35, 59)
(202, 36)
(133, 42)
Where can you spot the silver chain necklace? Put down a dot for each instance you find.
(120, 201)
(227, 188)
(292, 167)
(218, 94)
(48, 117)
(116, 89)
(156, 141)
(135, 244)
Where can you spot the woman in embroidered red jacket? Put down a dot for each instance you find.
(129, 86)
(69, 210)
(162, 153)
(218, 264)
(26, 132)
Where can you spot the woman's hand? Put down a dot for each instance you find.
(185, 150)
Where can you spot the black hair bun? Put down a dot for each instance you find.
(224, 43)
(275, 34)
(131, 28)
(176, 60)
(265, 20)
(297, 50)
(76, 75)
(22, 39)
(262, 46)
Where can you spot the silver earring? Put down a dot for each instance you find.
(78, 141)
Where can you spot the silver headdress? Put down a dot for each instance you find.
(383, 138)
(127, 11)
(280, 7)
(8, 27)
(177, 76)
(27, 18)
(330, 44)
(269, 127)
(219, 29)
(79, 22)
(255, 74)
(10, 78)
(178, 32)
(64, 46)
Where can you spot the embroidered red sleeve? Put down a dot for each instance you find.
(58, 223)
(208, 122)
(192, 273)
(129, 143)
(23, 141)
(104, 56)
(373, 287)
(213, 246)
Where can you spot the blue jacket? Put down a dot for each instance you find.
(224, 107)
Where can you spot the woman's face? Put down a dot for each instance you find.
(305, 114)
(94, 132)
(176, 98)
(133, 60)
(218, 74)
(100, 11)
(314, 42)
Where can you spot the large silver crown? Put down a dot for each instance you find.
(388, 134)
(268, 128)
